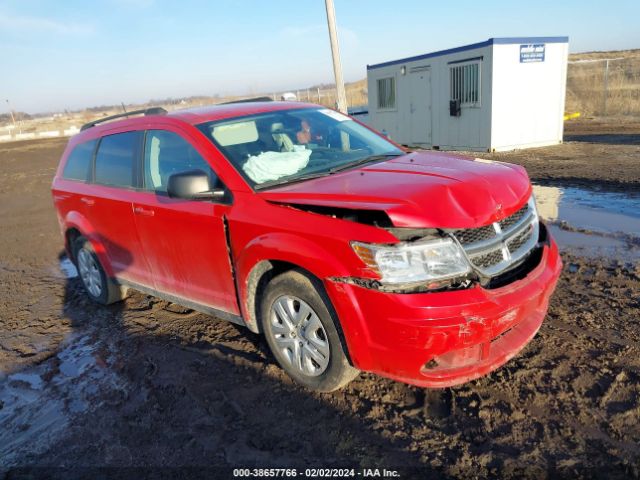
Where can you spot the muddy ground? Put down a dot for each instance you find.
(147, 384)
(597, 154)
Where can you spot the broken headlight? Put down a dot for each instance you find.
(415, 262)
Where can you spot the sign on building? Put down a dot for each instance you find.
(532, 53)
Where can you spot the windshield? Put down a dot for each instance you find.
(275, 148)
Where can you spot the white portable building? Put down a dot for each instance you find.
(500, 94)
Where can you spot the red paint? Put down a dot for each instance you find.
(179, 247)
(426, 189)
(398, 334)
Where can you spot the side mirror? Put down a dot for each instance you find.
(192, 185)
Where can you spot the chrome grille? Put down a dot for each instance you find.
(511, 220)
(520, 239)
(488, 259)
(494, 248)
(472, 235)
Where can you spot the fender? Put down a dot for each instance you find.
(78, 221)
(314, 258)
(284, 247)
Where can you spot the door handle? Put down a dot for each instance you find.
(143, 211)
(87, 201)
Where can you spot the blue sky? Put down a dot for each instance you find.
(57, 54)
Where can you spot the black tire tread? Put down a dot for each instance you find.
(303, 285)
(112, 292)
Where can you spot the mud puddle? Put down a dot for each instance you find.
(67, 268)
(591, 222)
(37, 404)
(64, 269)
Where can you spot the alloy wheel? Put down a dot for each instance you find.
(300, 335)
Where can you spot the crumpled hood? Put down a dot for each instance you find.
(419, 190)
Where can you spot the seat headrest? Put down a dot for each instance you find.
(277, 127)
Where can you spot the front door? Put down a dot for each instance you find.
(184, 240)
(420, 106)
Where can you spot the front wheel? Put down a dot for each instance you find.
(300, 328)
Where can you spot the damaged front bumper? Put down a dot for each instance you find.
(444, 338)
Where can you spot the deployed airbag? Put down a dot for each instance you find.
(269, 166)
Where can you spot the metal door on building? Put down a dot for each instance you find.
(420, 106)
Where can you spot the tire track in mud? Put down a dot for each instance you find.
(31, 301)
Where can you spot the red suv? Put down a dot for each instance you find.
(347, 252)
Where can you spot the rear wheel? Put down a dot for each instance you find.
(300, 328)
(97, 284)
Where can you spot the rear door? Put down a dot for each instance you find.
(71, 184)
(185, 241)
(108, 206)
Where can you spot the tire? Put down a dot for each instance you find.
(99, 287)
(300, 326)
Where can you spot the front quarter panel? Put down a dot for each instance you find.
(262, 232)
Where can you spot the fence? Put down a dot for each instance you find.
(356, 95)
(595, 87)
(604, 86)
(14, 136)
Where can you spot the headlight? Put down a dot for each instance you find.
(416, 262)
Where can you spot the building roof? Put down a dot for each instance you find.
(473, 46)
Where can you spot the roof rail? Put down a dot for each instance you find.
(249, 100)
(146, 111)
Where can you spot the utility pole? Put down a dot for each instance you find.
(606, 86)
(13, 119)
(335, 52)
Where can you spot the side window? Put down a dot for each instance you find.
(166, 153)
(79, 162)
(116, 159)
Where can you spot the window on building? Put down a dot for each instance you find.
(116, 158)
(386, 93)
(79, 162)
(464, 81)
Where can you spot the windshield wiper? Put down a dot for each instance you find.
(363, 161)
(339, 168)
(287, 180)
